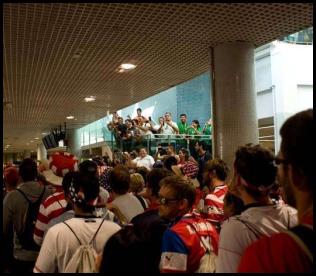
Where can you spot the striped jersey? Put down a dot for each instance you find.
(214, 204)
(52, 207)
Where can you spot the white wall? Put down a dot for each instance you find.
(292, 81)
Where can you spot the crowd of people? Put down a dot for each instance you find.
(165, 213)
(134, 133)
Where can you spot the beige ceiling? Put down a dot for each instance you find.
(168, 42)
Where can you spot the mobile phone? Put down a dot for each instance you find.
(149, 118)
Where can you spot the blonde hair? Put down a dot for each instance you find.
(137, 183)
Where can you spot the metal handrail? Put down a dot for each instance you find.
(150, 139)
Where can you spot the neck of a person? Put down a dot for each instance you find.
(183, 212)
(115, 195)
(201, 152)
(80, 212)
(248, 199)
(304, 205)
(216, 182)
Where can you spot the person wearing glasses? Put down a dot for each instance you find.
(291, 251)
(185, 241)
(254, 177)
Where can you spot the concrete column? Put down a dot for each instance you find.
(41, 152)
(73, 139)
(233, 98)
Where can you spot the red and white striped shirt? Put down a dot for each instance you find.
(214, 204)
(52, 207)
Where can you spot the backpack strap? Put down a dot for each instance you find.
(303, 235)
(251, 227)
(59, 202)
(24, 195)
(41, 196)
(141, 201)
(27, 199)
(72, 232)
(205, 247)
(95, 234)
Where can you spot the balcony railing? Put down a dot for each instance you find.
(151, 142)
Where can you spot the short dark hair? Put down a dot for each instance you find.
(67, 182)
(142, 171)
(234, 202)
(297, 143)
(119, 179)
(88, 184)
(183, 189)
(196, 122)
(219, 166)
(183, 115)
(139, 109)
(28, 170)
(170, 161)
(89, 167)
(255, 164)
(154, 177)
(201, 144)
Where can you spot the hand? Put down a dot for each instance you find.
(191, 159)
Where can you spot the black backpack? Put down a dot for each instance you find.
(26, 236)
(303, 235)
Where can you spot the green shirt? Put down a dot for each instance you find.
(183, 128)
(191, 131)
(208, 130)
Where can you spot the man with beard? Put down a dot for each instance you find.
(291, 251)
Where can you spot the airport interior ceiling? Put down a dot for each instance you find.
(56, 54)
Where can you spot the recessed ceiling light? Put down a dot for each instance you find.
(127, 66)
(27, 144)
(70, 117)
(76, 55)
(43, 133)
(36, 138)
(31, 141)
(89, 99)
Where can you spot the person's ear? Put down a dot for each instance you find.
(183, 204)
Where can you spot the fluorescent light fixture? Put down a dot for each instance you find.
(89, 99)
(44, 133)
(36, 138)
(70, 117)
(127, 66)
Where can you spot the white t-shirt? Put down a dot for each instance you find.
(129, 205)
(148, 162)
(166, 129)
(235, 236)
(147, 132)
(60, 243)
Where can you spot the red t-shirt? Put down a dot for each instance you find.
(278, 253)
